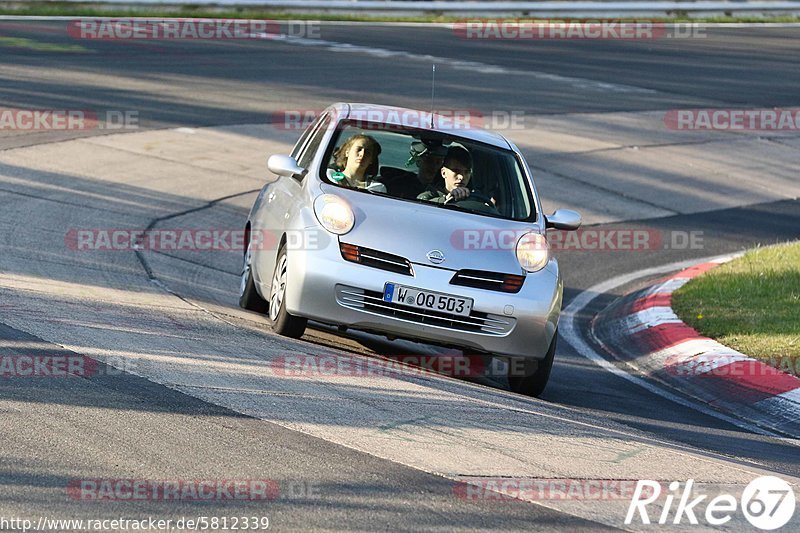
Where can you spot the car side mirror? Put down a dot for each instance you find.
(284, 165)
(564, 219)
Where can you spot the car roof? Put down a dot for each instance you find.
(409, 118)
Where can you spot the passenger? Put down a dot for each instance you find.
(428, 156)
(358, 160)
(456, 172)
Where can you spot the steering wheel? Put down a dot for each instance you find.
(476, 201)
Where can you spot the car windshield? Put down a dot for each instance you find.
(442, 170)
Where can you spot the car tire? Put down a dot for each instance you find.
(535, 375)
(248, 295)
(283, 323)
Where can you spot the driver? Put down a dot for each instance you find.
(456, 172)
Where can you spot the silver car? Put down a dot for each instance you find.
(408, 225)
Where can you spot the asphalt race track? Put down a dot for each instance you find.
(184, 389)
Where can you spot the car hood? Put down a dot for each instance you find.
(413, 230)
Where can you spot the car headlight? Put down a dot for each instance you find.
(533, 251)
(334, 214)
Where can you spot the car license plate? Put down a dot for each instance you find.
(432, 301)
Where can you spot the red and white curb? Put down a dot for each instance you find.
(643, 328)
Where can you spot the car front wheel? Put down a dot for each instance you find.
(530, 377)
(283, 323)
(248, 295)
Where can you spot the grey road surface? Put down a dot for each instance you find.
(198, 396)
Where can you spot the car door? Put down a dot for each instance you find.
(281, 199)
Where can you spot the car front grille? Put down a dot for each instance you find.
(376, 259)
(372, 302)
(493, 281)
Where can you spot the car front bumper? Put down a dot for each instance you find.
(322, 286)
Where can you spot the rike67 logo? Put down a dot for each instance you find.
(767, 503)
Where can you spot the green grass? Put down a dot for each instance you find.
(28, 44)
(198, 11)
(751, 304)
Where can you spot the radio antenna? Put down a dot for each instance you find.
(433, 91)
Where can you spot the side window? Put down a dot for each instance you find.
(314, 142)
(304, 137)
